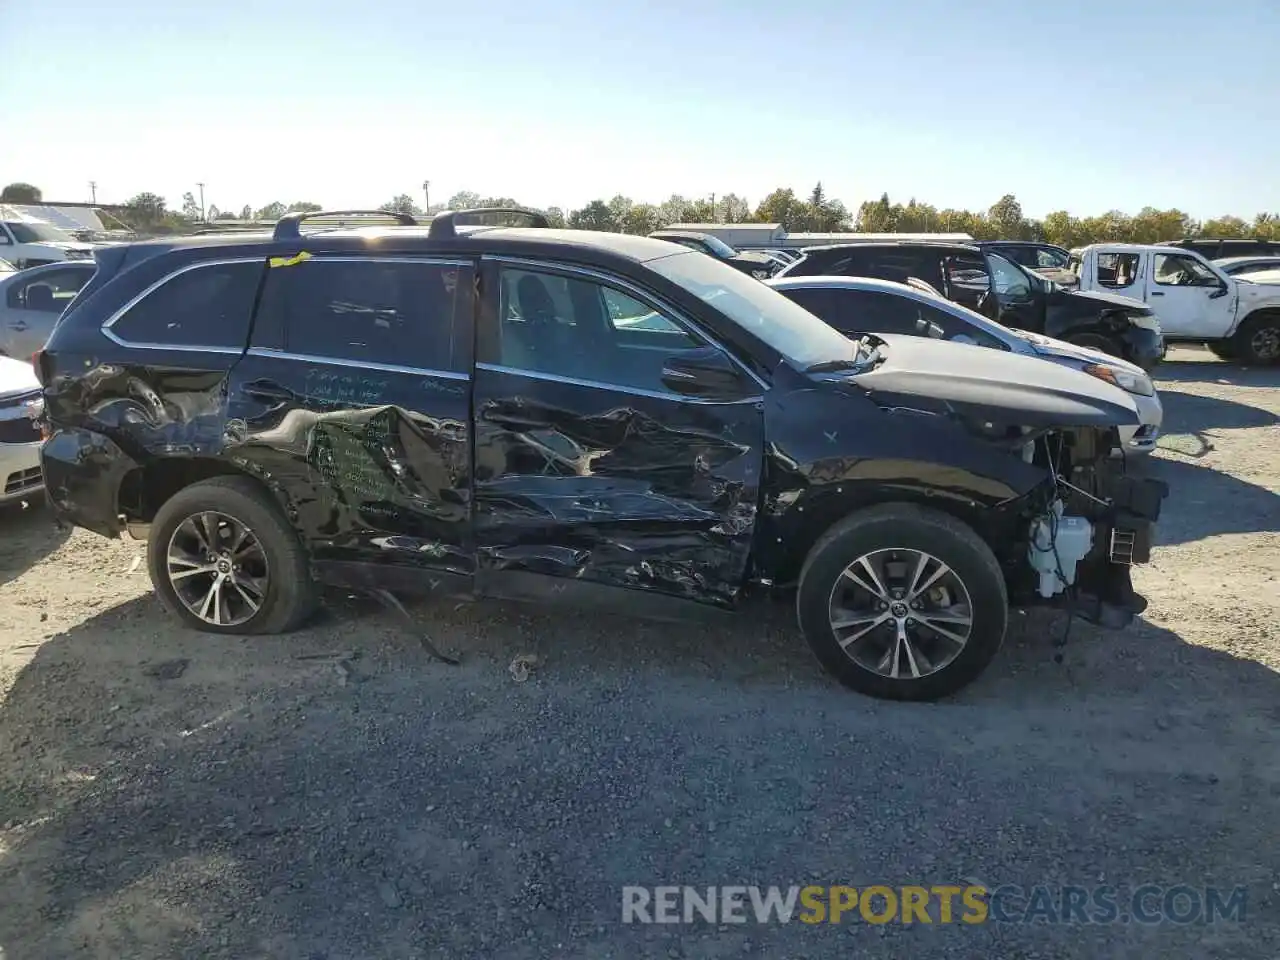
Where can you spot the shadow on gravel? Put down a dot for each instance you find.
(1204, 502)
(172, 794)
(1193, 371)
(27, 536)
(1194, 413)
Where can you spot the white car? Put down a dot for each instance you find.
(32, 300)
(1245, 268)
(858, 305)
(26, 242)
(21, 402)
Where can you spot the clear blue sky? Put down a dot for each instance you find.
(1084, 105)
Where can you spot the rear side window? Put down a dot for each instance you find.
(392, 312)
(204, 306)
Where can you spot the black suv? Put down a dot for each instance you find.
(759, 265)
(978, 277)
(490, 405)
(1218, 248)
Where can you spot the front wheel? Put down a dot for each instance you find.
(1223, 349)
(1258, 339)
(224, 559)
(903, 603)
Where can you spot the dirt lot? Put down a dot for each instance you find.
(338, 794)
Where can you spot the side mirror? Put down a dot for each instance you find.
(1220, 292)
(706, 373)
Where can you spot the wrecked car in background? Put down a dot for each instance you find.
(492, 406)
(20, 407)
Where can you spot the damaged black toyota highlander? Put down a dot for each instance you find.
(492, 406)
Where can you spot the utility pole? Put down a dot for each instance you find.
(93, 192)
(426, 194)
(202, 217)
(713, 208)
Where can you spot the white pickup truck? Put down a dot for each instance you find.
(27, 242)
(1193, 299)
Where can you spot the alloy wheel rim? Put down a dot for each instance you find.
(900, 613)
(218, 569)
(1266, 343)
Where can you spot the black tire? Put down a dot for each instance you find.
(1223, 349)
(1257, 342)
(290, 596)
(1097, 341)
(905, 527)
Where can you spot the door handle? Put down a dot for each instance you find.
(267, 390)
(1156, 293)
(17, 325)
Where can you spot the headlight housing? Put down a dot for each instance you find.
(1127, 380)
(1147, 321)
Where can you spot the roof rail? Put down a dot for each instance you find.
(289, 227)
(445, 224)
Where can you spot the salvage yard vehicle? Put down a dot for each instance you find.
(860, 305)
(1215, 248)
(1196, 301)
(990, 284)
(1246, 267)
(20, 408)
(758, 264)
(31, 301)
(492, 406)
(26, 242)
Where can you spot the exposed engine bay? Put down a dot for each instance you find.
(1088, 524)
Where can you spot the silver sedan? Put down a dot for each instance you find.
(31, 301)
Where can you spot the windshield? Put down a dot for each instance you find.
(719, 247)
(27, 231)
(759, 309)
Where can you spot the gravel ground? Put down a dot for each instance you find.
(339, 794)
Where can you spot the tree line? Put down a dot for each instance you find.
(814, 212)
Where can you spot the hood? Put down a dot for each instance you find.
(1111, 299)
(68, 245)
(1259, 286)
(995, 386)
(1049, 347)
(16, 377)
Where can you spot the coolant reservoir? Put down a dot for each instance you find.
(1058, 543)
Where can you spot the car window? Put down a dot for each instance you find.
(207, 306)
(51, 291)
(755, 308)
(584, 330)
(1010, 282)
(397, 313)
(896, 265)
(1176, 270)
(967, 280)
(1049, 258)
(940, 324)
(1118, 270)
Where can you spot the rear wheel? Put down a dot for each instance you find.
(1258, 339)
(224, 559)
(903, 603)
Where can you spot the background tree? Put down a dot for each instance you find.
(190, 209)
(781, 206)
(596, 215)
(672, 210)
(226, 215)
(304, 206)
(640, 219)
(463, 200)
(402, 204)
(272, 211)
(145, 209)
(20, 193)
(555, 217)
(246, 212)
(734, 209)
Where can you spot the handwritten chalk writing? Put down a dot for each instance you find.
(334, 386)
(348, 459)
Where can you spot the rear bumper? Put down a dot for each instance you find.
(83, 472)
